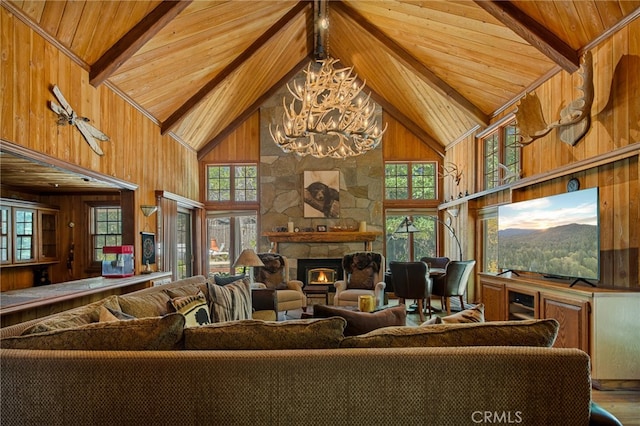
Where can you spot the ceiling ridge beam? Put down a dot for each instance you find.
(252, 108)
(533, 33)
(134, 39)
(261, 41)
(408, 60)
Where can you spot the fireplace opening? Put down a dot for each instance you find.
(321, 276)
(320, 271)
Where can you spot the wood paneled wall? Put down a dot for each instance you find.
(615, 124)
(137, 152)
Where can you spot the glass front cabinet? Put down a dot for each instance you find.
(29, 233)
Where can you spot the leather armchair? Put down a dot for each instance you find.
(275, 275)
(364, 275)
(455, 282)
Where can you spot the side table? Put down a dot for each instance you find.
(317, 290)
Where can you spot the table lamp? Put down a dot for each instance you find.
(249, 258)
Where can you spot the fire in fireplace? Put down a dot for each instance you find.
(319, 271)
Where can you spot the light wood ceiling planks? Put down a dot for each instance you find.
(441, 67)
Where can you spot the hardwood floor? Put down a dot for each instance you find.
(624, 405)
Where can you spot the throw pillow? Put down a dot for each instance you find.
(194, 308)
(496, 333)
(160, 333)
(475, 314)
(75, 317)
(153, 304)
(363, 322)
(267, 335)
(226, 279)
(230, 302)
(108, 314)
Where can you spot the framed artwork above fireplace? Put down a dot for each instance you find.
(321, 193)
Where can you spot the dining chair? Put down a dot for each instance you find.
(411, 281)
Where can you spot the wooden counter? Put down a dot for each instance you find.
(321, 237)
(36, 302)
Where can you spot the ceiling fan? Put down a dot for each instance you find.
(66, 115)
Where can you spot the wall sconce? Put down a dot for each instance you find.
(148, 210)
(453, 212)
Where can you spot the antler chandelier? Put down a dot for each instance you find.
(328, 116)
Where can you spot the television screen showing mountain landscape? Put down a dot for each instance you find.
(556, 236)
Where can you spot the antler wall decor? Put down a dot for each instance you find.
(575, 118)
(451, 169)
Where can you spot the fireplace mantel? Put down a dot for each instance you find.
(321, 237)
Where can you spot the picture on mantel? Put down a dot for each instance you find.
(322, 194)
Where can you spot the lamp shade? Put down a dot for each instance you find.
(406, 226)
(248, 257)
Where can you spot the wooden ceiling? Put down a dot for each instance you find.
(440, 67)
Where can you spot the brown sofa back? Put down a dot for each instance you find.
(443, 386)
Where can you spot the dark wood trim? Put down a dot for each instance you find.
(192, 102)
(414, 65)
(134, 39)
(533, 33)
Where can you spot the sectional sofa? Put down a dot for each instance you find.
(155, 371)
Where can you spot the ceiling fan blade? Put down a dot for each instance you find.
(81, 125)
(63, 101)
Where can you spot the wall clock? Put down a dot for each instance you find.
(573, 185)
(148, 248)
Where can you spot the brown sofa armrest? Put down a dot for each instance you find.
(264, 299)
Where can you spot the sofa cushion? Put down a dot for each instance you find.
(267, 335)
(75, 317)
(496, 333)
(475, 314)
(226, 279)
(159, 333)
(230, 302)
(194, 308)
(108, 314)
(152, 304)
(363, 322)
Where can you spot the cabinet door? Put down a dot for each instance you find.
(5, 236)
(24, 224)
(48, 224)
(573, 316)
(494, 301)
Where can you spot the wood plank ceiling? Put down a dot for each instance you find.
(440, 67)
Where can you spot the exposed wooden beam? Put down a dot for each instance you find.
(252, 108)
(534, 33)
(134, 39)
(426, 138)
(191, 103)
(412, 63)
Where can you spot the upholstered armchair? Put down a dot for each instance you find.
(364, 274)
(275, 275)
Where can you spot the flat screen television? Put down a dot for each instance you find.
(556, 236)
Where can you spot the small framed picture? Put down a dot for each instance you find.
(321, 228)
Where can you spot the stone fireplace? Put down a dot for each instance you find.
(320, 271)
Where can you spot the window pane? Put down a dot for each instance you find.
(490, 244)
(107, 227)
(218, 183)
(228, 236)
(396, 181)
(397, 244)
(423, 181)
(424, 241)
(491, 161)
(246, 183)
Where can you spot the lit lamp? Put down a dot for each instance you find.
(248, 257)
